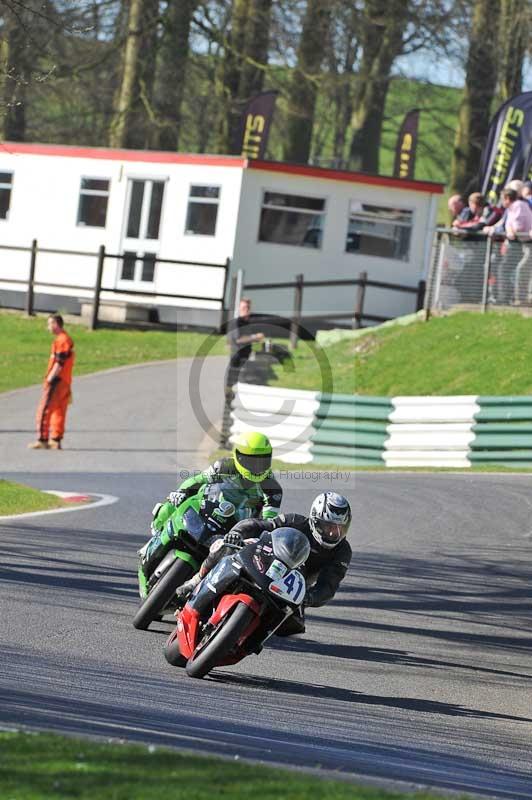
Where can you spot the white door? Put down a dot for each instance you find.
(140, 241)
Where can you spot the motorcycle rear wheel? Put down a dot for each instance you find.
(222, 641)
(161, 594)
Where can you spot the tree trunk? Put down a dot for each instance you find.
(15, 68)
(382, 42)
(513, 40)
(171, 71)
(133, 102)
(475, 109)
(232, 65)
(305, 80)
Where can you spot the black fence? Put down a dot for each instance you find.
(31, 282)
(356, 314)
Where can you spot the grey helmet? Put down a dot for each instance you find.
(329, 519)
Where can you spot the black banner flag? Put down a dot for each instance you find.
(405, 150)
(255, 125)
(508, 150)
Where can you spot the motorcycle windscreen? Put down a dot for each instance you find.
(290, 546)
(193, 523)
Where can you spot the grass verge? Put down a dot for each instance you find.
(38, 766)
(25, 346)
(18, 499)
(463, 353)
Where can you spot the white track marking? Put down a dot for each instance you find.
(105, 500)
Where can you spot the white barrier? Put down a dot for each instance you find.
(285, 415)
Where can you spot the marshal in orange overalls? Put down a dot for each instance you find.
(52, 410)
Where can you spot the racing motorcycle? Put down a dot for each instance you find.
(191, 528)
(240, 603)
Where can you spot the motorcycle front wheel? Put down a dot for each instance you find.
(172, 652)
(221, 641)
(161, 594)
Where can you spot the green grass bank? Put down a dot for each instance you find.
(25, 345)
(47, 767)
(463, 353)
(18, 499)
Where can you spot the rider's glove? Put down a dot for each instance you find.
(176, 498)
(233, 540)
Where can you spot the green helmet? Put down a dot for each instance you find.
(252, 454)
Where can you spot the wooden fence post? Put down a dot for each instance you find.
(359, 302)
(296, 317)
(97, 288)
(31, 279)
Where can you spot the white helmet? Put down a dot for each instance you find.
(329, 519)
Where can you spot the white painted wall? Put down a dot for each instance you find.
(44, 205)
(263, 261)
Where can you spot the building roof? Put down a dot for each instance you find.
(165, 157)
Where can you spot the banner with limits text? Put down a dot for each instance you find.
(255, 125)
(405, 150)
(508, 150)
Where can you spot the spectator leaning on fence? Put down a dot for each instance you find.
(476, 221)
(458, 209)
(515, 225)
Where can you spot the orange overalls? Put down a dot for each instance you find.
(51, 413)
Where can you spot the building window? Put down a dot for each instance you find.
(6, 182)
(93, 197)
(202, 210)
(379, 231)
(292, 219)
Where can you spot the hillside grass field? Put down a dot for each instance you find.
(25, 346)
(463, 353)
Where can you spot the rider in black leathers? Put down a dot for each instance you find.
(330, 552)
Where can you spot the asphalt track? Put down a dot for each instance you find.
(420, 670)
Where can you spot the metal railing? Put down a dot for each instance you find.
(95, 288)
(475, 270)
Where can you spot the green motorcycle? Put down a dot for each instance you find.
(191, 528)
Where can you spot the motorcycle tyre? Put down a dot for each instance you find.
(172, 652)
(161, 594)
(224, 639)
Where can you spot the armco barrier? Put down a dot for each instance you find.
(455, 431)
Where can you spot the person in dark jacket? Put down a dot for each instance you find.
(326, 528)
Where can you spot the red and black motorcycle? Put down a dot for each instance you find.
(243, 601)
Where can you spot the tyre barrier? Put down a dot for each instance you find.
(354, 430)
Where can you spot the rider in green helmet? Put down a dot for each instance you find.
(253, 490)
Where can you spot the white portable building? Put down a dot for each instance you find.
(271, 220)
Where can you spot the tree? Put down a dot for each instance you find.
(383, 27)
(171, 72)
(131, 119)
(23, 39)
(244, 62)
(514, 37)
(305, 80)
(475, 109)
